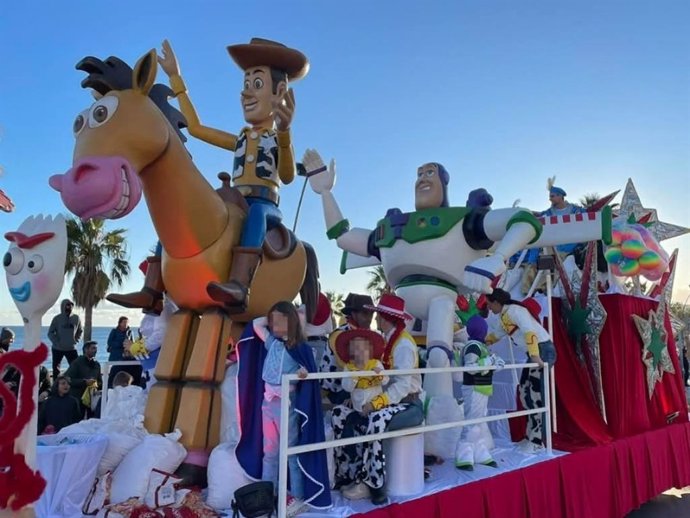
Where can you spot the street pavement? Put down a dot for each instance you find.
(672, 504)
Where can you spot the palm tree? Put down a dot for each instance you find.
(337, 301)
(96, 259)
(589, 199)
(378, 285)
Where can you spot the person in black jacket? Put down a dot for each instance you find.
(60, 409)
(119, 339)
(85, 371)
(12, 378)
(64, 333)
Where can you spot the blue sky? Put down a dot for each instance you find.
(504, 94)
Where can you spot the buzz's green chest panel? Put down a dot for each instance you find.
(413, 227)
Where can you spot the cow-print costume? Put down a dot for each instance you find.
(329, 363)
(363, 462)
(530, 392)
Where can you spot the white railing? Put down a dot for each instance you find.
(286, 451)
(105, 373)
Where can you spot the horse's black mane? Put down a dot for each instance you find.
(113, 74)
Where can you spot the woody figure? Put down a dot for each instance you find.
(263, 153)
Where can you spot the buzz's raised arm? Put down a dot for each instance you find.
(321, 180)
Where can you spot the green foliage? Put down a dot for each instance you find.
(337, 301)
(96, 260)
(377, 285)
(681, 311)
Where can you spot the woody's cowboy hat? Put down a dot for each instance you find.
(355, 302)
(342, 343)
(391, 305)
(266, 53)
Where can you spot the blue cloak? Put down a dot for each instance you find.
(251, 354)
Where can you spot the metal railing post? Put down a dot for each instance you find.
(546, 396)
(552, 372)
(284, 450)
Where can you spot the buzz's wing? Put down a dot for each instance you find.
(350, 261)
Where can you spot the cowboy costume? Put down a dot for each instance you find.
(366, 469)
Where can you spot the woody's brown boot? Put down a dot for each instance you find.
(235, 292)
(150, 298)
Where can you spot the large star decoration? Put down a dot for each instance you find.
(631, 207)
(596, 319)
(655, 354)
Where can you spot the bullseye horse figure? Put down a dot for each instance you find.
(128, 143)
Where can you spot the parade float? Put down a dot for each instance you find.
(621, 431)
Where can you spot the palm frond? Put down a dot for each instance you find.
(96, 260)
(378, 284)
(337, 301)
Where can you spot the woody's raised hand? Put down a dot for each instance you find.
(283, 110)
(168, 61)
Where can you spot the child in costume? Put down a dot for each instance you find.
(281, 332)
(364, 473)
(257, 448)
(362, 349)
(477, 386)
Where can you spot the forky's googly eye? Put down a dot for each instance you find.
(35, 263)
(13, 261)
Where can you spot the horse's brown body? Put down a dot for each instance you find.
(186, 278)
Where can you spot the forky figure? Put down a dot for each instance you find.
(35, 270)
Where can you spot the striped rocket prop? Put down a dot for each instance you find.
(575, 228)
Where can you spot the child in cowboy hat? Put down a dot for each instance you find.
(400, 394)
(361, 350)
(356, 317)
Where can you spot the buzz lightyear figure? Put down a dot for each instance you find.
(432, 254)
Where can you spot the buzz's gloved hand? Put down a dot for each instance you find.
(498, 361)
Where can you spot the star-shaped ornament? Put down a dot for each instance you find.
(631, 210)
(655, 354)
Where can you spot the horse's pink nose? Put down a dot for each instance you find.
(55, 182)
(82, 169)
(106, 187)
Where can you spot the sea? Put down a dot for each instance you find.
(99, 334)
